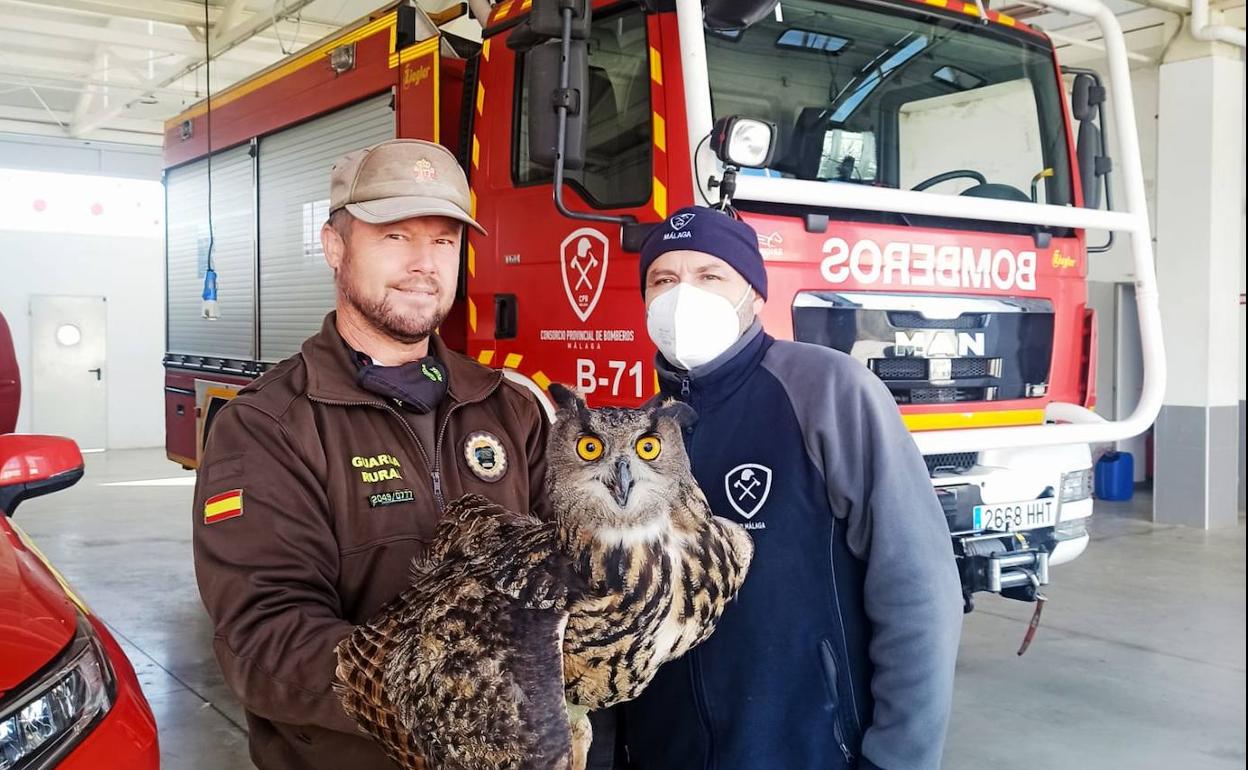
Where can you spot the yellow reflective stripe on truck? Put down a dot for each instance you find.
(951, 420)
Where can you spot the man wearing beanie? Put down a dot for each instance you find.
(839, 651)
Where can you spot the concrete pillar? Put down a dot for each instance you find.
(1200, 176)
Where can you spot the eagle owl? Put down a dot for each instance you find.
(513, 629)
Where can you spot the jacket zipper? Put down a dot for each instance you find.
(853, 700)
(830, 669)
(435, 467)
(699, 697)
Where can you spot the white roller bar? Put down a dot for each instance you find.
(1132, 221)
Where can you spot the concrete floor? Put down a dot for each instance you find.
(1139, 662)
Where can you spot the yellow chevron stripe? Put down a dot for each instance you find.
(542, 380)
(512, 361)
(485, 357)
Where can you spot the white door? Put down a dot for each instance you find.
(68, 372)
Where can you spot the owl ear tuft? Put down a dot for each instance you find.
(569, 401)
(670, 409)
(565, 397)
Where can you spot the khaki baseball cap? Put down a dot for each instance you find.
(400, 179)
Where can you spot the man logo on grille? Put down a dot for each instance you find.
(748, 486)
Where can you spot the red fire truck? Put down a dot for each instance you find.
(922, 175)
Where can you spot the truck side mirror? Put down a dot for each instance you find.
(32, 465)
(541, 71)
(1087, 151)
(1087, 99)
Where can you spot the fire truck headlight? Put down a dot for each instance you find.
(1077, 485)
(743, 142)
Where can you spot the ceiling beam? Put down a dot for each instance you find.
(228, 20)
(37, 115)
(231, 38)
(69, 82)
(176, 12)
(95, 34)
(18, 125)
(91, 91)
(107, 36)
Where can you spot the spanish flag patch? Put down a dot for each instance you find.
(224, 506)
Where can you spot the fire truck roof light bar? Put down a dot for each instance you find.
(1133, 221)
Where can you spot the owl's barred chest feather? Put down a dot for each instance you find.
(662, 596)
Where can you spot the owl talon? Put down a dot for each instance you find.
(582, 735)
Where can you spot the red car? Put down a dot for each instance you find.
(68, 695)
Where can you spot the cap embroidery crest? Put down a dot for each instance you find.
(680, 220)
(425, 170)
(485, 455)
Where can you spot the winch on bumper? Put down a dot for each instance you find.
(1007, 548)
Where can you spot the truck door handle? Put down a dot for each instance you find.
(506, 316)
(98, 373)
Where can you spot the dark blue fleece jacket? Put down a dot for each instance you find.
(839, 651)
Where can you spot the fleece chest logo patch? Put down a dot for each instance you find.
(485, 455)
(748, 486)
(227, 505)
(375, 469)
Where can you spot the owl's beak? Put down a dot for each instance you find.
(621, 484)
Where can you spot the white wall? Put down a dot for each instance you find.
(78, 156)
(66, 234)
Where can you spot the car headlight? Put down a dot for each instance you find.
(41, 721)
(1077, 485)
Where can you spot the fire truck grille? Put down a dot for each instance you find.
(940, 395)
(900, 368)
(952, 462)
(993, 349)
(908, 368)
(967, 368)
(905, 319)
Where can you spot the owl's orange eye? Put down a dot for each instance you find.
(649, 447)
(589, 448)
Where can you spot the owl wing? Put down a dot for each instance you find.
(464, 669)
(520, 552)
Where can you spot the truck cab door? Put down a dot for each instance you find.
(553, 298)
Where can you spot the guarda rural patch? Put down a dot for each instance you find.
(377, 468)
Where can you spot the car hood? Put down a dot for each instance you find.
(37, 616)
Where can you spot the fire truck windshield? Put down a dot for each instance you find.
(896, 96)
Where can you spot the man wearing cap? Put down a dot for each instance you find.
(326, 476)
(839, 651)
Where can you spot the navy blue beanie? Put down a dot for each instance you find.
(696, 228)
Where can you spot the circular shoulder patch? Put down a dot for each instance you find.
(485, 456)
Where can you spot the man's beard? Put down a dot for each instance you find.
(405, 328)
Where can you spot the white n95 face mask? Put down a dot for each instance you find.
(692, 326)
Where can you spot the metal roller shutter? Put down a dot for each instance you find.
(296, 286)
(231, 335)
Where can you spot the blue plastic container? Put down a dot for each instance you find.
(1115, 476)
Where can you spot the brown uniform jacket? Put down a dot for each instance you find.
(336, 499)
